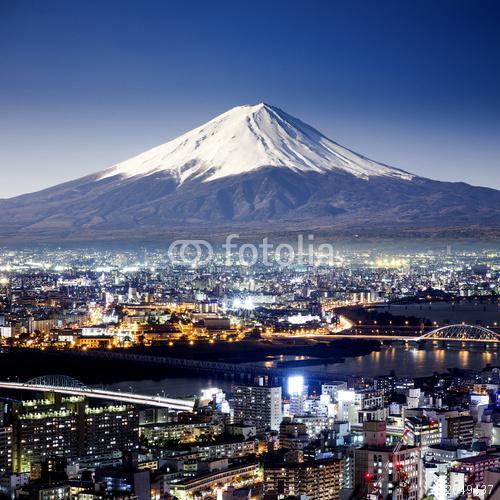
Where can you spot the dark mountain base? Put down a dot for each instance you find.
(270, 200)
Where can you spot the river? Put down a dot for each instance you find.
(404, 361)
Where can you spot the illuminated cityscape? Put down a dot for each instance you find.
(273, 419)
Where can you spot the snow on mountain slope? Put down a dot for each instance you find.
(252, 169)
(244, 139)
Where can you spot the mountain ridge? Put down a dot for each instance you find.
(252, 168)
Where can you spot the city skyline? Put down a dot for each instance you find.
(373, 373)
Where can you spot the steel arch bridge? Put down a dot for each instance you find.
(464, 333)
(61, 381)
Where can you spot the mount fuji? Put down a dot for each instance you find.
(254, 169)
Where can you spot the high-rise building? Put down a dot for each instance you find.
(460, 430)
(468, 474)
(457, 427)
(113, 426)
(369, 404)
(290, 475)
(5, 449)
(435, 479)
(293, 435)
(413, 398)
(332, 389)
(258, 405)
(381, 470)
(422, 432)
(386, 383)
(67, 427)
(297, 394)
(44, 428)
(346, 408)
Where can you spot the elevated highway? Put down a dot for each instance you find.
(66, 385)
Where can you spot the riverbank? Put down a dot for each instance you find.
(94, 369)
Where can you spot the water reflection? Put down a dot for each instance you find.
(408, 361)
(404, 361)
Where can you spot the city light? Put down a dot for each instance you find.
(249, 309)
(295, 385)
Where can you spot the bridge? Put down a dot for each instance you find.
(449, 333)
(243, 370)
(62, 384)
(462, 333)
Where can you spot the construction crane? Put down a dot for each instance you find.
(400, 484)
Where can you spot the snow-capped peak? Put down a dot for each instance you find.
(244, 139)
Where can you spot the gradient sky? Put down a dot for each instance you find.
(85, 84)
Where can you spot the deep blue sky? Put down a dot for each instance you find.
(84, 84)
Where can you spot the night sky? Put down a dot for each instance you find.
(85, 84)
